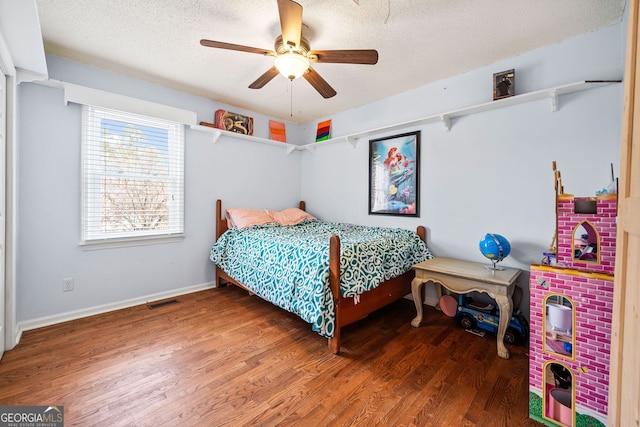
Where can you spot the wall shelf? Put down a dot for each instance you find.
(444, 118)
(217, 133)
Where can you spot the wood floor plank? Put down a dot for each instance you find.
(221, 357)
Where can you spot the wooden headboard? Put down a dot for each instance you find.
(221, 220)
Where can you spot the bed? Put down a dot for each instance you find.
(298, 263)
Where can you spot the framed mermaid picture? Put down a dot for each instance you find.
(394, 175)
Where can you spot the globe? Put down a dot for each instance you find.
(494, 247)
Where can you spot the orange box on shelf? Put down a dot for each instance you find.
(277, 130)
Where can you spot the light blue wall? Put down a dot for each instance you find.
(490, 173)
(240, 173)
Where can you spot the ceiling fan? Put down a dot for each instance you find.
(293, 54)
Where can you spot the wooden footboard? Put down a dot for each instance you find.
(347, 310)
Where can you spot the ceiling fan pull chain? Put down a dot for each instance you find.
(388, 11)
(291, 97)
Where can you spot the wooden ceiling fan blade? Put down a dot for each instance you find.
(238, 47)
(352, 56)
(319, 83)
(265, 78)
(290, 22)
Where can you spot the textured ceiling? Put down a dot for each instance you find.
(419, 42)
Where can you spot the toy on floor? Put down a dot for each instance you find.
(486, 317)
(569, 354)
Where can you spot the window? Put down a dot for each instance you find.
(133, 176)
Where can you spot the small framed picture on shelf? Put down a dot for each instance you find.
(504, 84)
(233, 122)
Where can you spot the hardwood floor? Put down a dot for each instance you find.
(220, 357)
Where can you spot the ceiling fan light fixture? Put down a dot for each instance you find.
(291, 65)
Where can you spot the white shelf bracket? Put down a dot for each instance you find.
(290, 149)
(553, 94)
(351, 140)
(216, 135)
(446, 121)
(311, 148)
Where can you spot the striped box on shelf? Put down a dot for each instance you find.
(324, 131)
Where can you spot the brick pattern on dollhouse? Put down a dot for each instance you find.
(592, 296)
(604, 221)
(582, 286)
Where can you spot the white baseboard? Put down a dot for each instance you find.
(78, 314)
(432, 302)
(16, 337)
(86, 312)
(427, 301)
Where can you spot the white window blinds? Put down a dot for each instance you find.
(133, 176)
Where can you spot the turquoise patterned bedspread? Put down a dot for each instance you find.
(289, 265)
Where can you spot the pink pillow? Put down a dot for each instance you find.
(243, 218)
(291, 216)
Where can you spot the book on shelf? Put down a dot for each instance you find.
(277, 131)
(324, 131)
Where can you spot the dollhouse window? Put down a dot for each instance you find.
(586, 242)
(588, 205)
(559, 321)
(559, 394)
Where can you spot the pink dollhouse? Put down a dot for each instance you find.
(571, 311)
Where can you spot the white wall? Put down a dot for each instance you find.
(492, 172)
(240, 173)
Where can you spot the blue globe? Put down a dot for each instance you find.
(495, 247)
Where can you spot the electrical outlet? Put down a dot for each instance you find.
(67, 284)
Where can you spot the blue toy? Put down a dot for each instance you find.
(486, 317)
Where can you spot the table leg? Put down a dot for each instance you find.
(439, 293)
(416, 292)
(506, 305)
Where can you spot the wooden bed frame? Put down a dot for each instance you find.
(346, 310)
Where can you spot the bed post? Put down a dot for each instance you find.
(303, 206)
(221, 227)
(218, 217)
(334, 283)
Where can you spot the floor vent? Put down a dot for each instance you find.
(159, 304)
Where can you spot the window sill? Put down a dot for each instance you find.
(129, 241)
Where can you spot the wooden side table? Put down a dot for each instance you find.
(466, 276)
